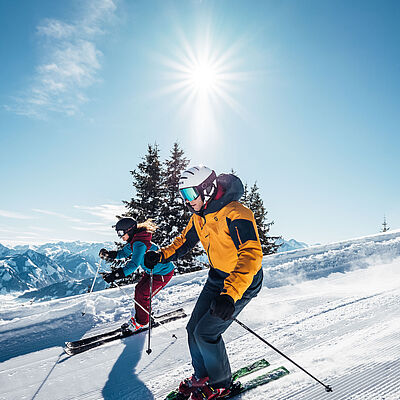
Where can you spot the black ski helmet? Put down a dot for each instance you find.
(125, 225)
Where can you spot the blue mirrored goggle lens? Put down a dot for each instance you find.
(120, 233)
(189, 194)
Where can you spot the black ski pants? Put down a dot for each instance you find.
(205, 331)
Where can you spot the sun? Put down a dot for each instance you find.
(202, 82)
(204, 77)
(202, 70)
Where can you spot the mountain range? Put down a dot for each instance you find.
(32, 268)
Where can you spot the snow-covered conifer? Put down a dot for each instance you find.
(175, 215)
(253, 200)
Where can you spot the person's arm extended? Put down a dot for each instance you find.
(181, 245)
(138, 251)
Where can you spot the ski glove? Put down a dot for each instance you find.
(223, 307)
(112, 276)
(152, 258)
(107, 255)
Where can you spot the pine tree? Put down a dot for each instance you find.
(175, 214)
(245, 198)
(157, 197)
(148, 181)
(253, 200)
(148, 199)
(385, 226)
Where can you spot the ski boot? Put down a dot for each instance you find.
(207, 392)
(188, 385)
(202, 390)
(130, 327)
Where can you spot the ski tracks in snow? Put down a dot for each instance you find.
(360, 360)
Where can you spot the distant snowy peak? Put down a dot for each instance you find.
(79, 259)
(4, 251)
(22, 248)
(289, 245)
(84, 249)
(26, 271)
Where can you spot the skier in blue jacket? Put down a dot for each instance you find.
(138, 239)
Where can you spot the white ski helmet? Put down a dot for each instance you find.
(198, 181)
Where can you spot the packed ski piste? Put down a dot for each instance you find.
(181, 321)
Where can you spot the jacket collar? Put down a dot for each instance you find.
(232, 190)
(142, 236)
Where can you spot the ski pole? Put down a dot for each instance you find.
(327, 387)
(91, 289)
(146, 311)
(148, 351)
(132, 298)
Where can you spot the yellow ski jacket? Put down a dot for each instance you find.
(228, 233)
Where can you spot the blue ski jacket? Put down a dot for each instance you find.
(137, 250)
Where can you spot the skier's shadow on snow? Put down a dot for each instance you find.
(123, 383)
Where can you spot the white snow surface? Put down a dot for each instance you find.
(334, 309)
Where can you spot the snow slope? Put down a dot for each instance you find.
(334, 309)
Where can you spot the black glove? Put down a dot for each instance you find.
(223, 307)
(103, 253)
(152, 258)
(112, 276)
(107, 255)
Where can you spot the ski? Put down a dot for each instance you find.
(249, 369)
(263, 379)
(95, 338)
(119, 334)
(237, 386)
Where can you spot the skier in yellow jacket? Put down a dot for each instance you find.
(228, 233)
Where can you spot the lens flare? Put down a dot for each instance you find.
(202, 84)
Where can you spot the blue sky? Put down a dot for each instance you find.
(300, 96)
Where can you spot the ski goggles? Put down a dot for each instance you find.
(120, 233)
(189, 194)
